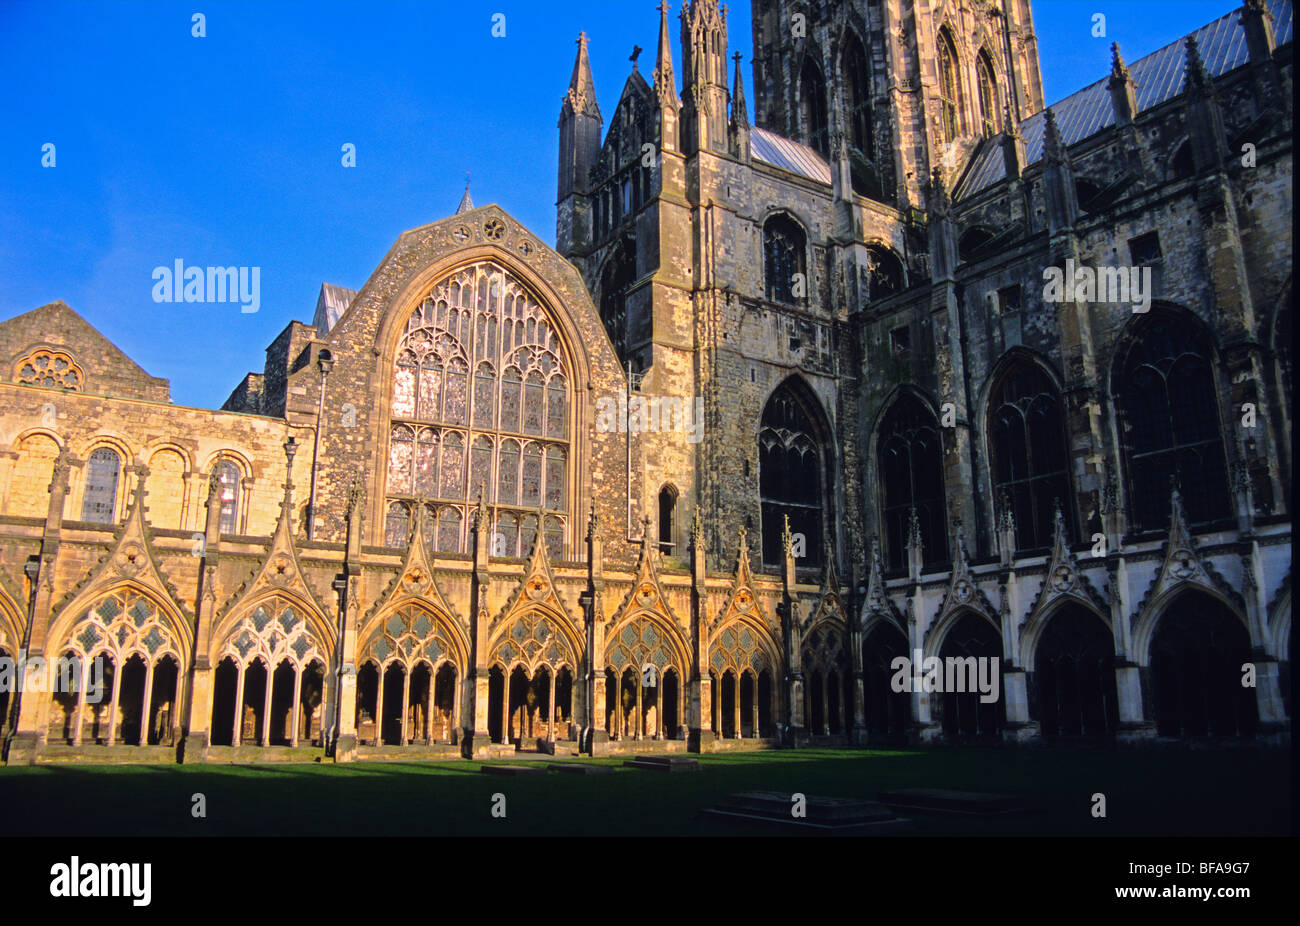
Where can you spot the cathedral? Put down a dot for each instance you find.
(795, 399)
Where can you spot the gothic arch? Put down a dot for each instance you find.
(1279, 625)
(1030, 492)
(71, 616)
(678, 649)
(11, 625)
(577, 353)
(508, 647)
(618, 272)
(785, 251)
(892, 519)
(1032, 632)
(792, 427)
(484, 383)
(729, 648)
(314, 623)
(1147, 624)
(939, 630)
(1165, 352)
(441, 628)
(813, 102)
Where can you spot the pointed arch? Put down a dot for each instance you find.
(119, 618)
(273, 625)
(1168, 420)
(795, 470)
(855, 76)
(986, 86)
(908, 454)
(785, 259)
(484, 317)
(949, 85)
(813, 114)
(616, 277)
(412, 631)
(1027, 446)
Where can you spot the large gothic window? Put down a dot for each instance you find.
(503, 426)
(101, 486)
(911, 471)
(1028, 451)
(812, 108)
(949, 92)
(988, 91)
(619, 274)
(791, 468)
(785, 260)
(1169, 423)
(857, 95)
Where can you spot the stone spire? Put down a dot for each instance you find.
(581, 97)
(739, 127)
(1123, 89)
(466, 204)
(665, 79)
(1058, 180)
(1204, 115)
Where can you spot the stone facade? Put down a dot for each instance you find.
(787, 402)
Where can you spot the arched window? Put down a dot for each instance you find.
(1028, 453)
(812, 108)
(949, 90)
(459, 424)
(791, 468)
(228, 476)
(988, 91)
(667, 520)
(884, 273)
(100, 494)
(911, 472)
(785, 260)
(857, 95)
(1169, 422)
(619, 274)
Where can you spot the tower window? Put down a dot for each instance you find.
(812, 108)
(949, 93)
(988, 91)
(785, 267)
(667, 520)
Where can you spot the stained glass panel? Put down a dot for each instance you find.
(451, 467)
(508, 474)
(510, 385)
(456, 408)
(532, 476)
(533, 403)
(430, 383)
(554, 478)
(426, 463)
(399, 460)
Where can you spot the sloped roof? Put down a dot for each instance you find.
(781, 152)
(1159, 76)
(332, 303)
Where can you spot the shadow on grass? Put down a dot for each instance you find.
(1241, 792)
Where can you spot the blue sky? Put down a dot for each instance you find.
(226, 149)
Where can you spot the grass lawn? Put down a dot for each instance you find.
(1154, 793)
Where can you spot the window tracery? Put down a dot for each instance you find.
(53, 368)
(505, 428)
